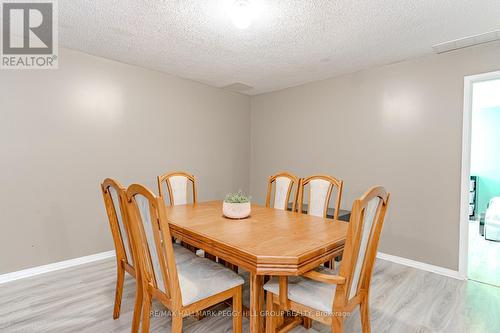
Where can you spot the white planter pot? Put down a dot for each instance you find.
(236, 210)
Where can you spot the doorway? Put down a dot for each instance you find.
(480, 208)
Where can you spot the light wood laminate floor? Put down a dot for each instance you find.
(403, 300)
(483, 264)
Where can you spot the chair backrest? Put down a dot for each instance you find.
(360, 250)
(114, 200)
(283, 186)
(176, 184)
(320, 192)
(151, 234)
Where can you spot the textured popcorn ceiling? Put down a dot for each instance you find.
(290, 42)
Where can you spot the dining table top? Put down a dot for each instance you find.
(269, 241)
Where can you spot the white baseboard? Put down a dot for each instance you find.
(8, 277)
(422, 266)
(25, 273)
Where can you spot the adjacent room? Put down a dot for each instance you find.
(250, 166)
(484, 212)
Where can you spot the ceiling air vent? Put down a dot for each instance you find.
(467, 42)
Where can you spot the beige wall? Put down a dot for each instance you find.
(398, 125)
(63, 131)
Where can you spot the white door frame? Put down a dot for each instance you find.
(466, 156)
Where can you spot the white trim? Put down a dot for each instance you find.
(465, 179)
(29, 272)
(465, 173)
(420, 265)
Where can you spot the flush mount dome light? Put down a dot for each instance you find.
(241, 13)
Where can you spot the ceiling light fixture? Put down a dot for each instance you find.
(241, 13)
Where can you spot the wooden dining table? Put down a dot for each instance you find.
(269, 242)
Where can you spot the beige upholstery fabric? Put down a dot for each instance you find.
(123, 231)
(179, 189)
(318, 190)
(369, 218)
(280, 191)
(200, 278)
(181, 254)
(314, 294)
(143, 205)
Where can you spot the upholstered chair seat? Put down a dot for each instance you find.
(181, 254)
(314, 294)
(200, 278)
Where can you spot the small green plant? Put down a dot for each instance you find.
(237, 197)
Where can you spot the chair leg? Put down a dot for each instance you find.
(146, 312)
(237, 308)
(176, 323)
(330, 264)
(199, 315)
(270, 315)
(279, 316)
(136, 319)
(120, 276)
(364, 311)
(337, 324)
(307, 322)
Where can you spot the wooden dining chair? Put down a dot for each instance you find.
(284, 183)
(319, 195)
(173, 189)
(326, 295)
(176, 184)
(183, 282)
(114, 201)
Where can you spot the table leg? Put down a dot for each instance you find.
(256, 303)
